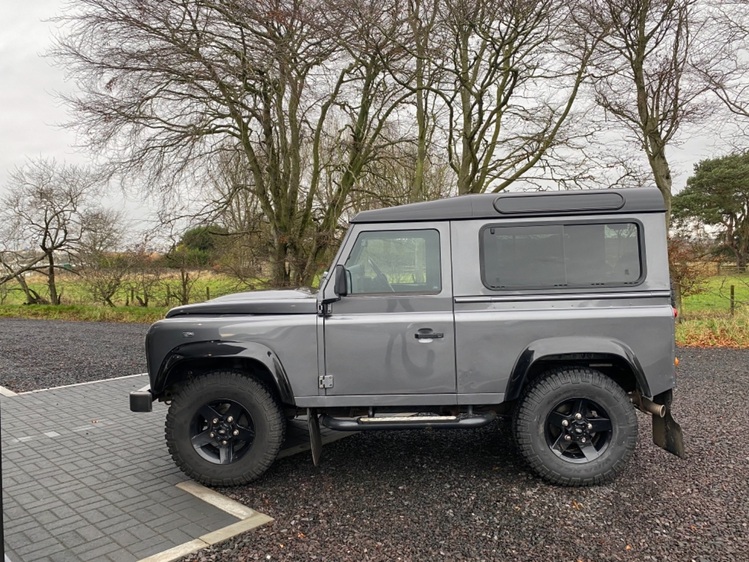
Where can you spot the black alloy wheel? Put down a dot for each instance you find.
(224, 428)
(222, 431)
(575, 427)
(578, 430)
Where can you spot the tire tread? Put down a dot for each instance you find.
(236, 383)
(552, 382)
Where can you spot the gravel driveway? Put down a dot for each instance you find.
(465, 495)
(38, 354)
(461, 495)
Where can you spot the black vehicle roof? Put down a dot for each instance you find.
(522, 204)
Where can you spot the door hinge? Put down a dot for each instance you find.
(325, 381)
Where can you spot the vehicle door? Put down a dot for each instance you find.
(393, 333)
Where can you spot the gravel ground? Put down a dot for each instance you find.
(38, 354)
(465, 495)
(460, 495)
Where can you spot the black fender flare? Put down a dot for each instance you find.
(225, 350)
(572, 346)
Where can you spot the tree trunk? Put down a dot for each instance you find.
(54, 298)
(280, 274)
(661, 172)
(32, 297)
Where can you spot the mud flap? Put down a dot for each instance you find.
(667, 434)
(315, 441)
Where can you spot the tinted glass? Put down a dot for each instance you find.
(403, 261)
(573, 255)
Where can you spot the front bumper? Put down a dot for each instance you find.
(142, 400)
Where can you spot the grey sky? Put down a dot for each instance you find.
(30, 114)
(28, 108)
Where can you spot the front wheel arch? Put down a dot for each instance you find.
(190, 360)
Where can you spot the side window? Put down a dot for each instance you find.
(395, 261)
(560, 255)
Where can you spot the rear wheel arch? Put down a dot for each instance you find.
(613, 359)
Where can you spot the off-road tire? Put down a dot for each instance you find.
(552, 401)
(261, 417)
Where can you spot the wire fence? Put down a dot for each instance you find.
(724, 294)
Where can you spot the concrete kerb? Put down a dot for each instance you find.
(109, 472)
(248, 520)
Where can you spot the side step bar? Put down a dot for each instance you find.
(407, 422)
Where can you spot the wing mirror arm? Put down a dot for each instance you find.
(340, 285)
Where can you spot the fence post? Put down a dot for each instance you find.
(733, 301)
(207, 293)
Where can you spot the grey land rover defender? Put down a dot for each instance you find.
(553, 308)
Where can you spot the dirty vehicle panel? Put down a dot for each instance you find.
(552, 308)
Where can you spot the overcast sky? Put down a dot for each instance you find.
(29, 111)
(30, 114)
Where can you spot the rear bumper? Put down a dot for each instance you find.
(141, 400)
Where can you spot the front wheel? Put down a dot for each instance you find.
(575, 427)
(224, 429)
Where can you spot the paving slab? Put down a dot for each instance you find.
(86, 479)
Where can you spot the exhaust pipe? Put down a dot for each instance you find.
(648, 406)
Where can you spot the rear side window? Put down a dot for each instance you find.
(560, 255)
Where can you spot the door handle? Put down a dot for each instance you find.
(425, 335)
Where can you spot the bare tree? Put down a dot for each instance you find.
(44, 211)
(247, 243)
(643, 74)
(101, 262)
(316, 98)
(145, 275)
(725, 68)
(493, 84)
(169, 85)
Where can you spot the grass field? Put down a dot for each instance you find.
(715, 299)
(75, 292)
(84, 313)
(705, 320)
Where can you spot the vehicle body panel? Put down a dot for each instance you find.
(368, 342)
(371, 345)
(257, 337)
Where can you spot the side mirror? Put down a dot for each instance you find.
(341, 281)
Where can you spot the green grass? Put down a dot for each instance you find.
(714, 300)
(75, 292)
(84, 313)
(706, 319)
(714, 332)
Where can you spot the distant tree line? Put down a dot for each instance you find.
(272, 122)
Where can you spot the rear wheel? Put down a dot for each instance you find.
(575, 427)
(224, 429)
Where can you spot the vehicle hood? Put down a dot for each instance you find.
(291, 301)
